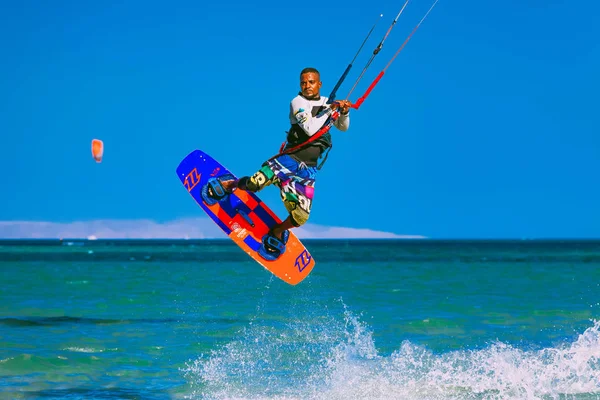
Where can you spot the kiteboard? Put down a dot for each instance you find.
(244, 218)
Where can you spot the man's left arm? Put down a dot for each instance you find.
(343, 121)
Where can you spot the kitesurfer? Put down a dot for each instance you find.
(294, 170)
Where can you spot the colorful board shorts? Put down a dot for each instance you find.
(296, 182)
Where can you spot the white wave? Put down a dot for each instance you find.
(338, 360)
(83, 350)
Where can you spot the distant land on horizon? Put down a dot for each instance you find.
(189, 228)
(202, 228)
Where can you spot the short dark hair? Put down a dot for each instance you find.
(309, 69)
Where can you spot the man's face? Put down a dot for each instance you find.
(310, 84)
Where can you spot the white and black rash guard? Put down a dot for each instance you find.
(307, 117)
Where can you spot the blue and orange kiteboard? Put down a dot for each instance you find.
(244, 218)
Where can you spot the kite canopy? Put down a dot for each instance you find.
(97, 149)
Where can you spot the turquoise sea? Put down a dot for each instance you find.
(376, 319)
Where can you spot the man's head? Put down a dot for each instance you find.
(310, 83)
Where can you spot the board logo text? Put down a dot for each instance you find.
(303, 260)
(191, 180)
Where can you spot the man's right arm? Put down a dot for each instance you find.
(302, 114)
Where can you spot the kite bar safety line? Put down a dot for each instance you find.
(343, 77)
(361, 99)
(377, 49)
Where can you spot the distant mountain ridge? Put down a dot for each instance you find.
(187, 228)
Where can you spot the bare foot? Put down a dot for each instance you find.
(277, 232)
(230, 185)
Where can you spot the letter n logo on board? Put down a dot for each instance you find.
(303, 260)
(191, 180)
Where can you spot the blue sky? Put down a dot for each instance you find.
(485, 126)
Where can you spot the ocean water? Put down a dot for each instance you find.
(376, 319)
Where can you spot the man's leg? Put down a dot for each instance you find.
(297, 199)
(255, 183)
(277, 230)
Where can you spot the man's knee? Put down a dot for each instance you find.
(246, 183)
(299, 211)
(298, 217)
(257, 181)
